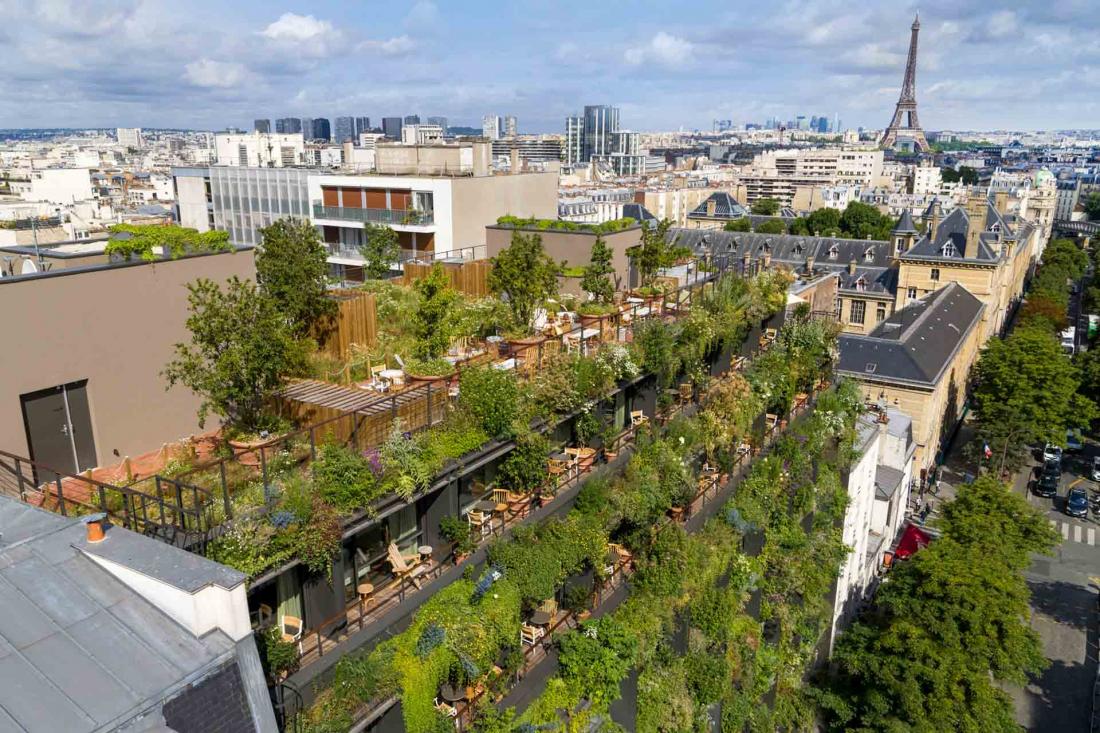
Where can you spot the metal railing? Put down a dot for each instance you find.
(410, 217)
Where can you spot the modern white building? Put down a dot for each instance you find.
(878, 492)
(491, 127)
(130, 137)
(421, 134)
(259, 149)
(55, 185)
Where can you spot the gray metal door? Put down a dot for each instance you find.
(59, 429)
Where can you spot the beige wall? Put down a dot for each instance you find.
(574, 247)
(870, 313)
(477, 202)
(114, 327)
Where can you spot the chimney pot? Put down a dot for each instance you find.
(851, 267)
(95, 526)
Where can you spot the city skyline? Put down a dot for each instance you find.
(270, 60)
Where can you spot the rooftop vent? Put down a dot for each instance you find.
(871, 367)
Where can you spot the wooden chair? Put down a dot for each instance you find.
(637, 418)
(402, 570)
(770, 334)
(574, 463)
(293, 630)
(685, 392)
(771, 420)
(446, 708)
(556, 469)
(503, 504)
(530, 634)
(479, 521)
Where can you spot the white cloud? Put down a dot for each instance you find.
(1002, 24)
(396, 46)
(215, 74)
(874, 56)
(298, 29)
(663, 49)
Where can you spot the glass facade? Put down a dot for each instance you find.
(247, 199)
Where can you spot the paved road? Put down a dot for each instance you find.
(1063, 600)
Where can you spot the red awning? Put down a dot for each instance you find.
(912, 539)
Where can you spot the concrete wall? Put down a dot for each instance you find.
(115, 327)
(191, 201)
(479, 201)
(573, 247)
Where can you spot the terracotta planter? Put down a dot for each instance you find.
(425, 378)
(585, 458)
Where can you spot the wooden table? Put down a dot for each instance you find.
(425, 552)
(485, 506)
(452, 694)
(541, 618)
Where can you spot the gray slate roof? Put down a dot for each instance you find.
(725, 207)
(952, 230)
(887, 481)
(80, 651)
(916, 343)
(905, 223)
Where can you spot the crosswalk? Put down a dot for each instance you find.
(1078, 533)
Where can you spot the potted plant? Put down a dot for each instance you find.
(526, 277)
(428, 370)
(588, 429)
(457, 532)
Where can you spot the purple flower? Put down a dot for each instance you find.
(374, 460)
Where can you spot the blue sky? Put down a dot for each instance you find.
(204, 64)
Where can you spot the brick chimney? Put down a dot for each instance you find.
(810, 265)
(851, 267)
(934, 220)
(975, 224)
(1000, 202)
(712, 206)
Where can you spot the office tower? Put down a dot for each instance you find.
(491, 127)
(412, 119)
(322, 130)
(574, 140)
(129, 137)
(262, 125)
(510, 126)
(441, 121)
(307, 128)
(362, 124)
(600, 121)
(343, 129)
(288, 125)
(391, 127)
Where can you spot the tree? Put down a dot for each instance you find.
(824, 222)
(965, 175)
(292, 270)
(1044, 312)
(526, 275)
(597, 274)
(949, 628)
(771, 226)
(151, 242)
(738, 225)
(1092, 206)
(380, 252)
(241, 348)
(765, 207)
(654, 252)
(1027, 393)
(435, 318)
(860, 221)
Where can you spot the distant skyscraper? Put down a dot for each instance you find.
(307, 127)
(262, 125)
(491, 127)
(600, 121)
(344, 130)
(391, 127)
(441, 121)
(362, 124)
(412, 119)
(321, 129)
(288, 125)
(574, 140)
(510, 126)
(129, 137)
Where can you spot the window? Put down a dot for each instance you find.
(948, 250)
(861, 284)
(834, 251)
(868, 255)
(880, 313)
(859, 307)
(912, 293)
(935, 275)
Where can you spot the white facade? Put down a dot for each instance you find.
(926, 180)
(59, 185)
(259, 149)
(491, 127)
(421, 134)
(878, 491)
(129, 137)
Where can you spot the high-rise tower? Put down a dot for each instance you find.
(905, 123)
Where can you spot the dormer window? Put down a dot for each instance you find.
(996, 227)
(834, 252)
(798, 249)
(869, 255)
(948, 250)
(899, 245)
(861, 284)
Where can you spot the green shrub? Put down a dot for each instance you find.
(596, 657)
(344, 479)
(492, 397)
(525, 468)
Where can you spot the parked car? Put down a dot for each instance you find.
(1052, 452)
(1077, 503)
(1096, 468)
(1073, 442)
(1047, 485)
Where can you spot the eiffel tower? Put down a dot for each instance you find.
(905, 123)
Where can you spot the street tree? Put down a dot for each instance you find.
(525, 275)
(771, 226)
(380, 251)
(1092, 206)
(738, 225)
(292, 270)
(241, 348)
(1026, 393)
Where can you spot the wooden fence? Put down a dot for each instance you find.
(470, 278)
(355, 322)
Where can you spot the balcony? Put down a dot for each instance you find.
(399, 217)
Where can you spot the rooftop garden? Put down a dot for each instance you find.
(152, 242)
(558, 225)
(469, 634)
